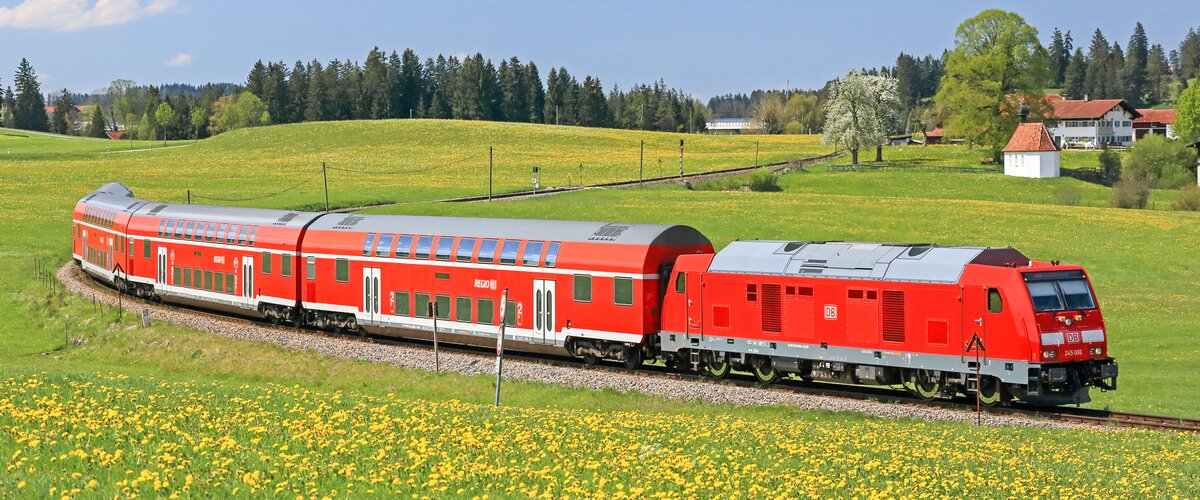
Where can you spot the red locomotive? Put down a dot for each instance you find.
(917, 316)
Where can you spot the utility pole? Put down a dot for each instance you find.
(189, 199)
(756, 153)
(641, 162)
(489, 173)
(681, 158)
(325, 177)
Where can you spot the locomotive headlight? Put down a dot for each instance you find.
(1049, 354)
(1097, 351)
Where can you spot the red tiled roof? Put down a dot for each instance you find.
(1030, 137)
(115, 134)
(1155, 116)
(937, 132)
(1075, 110)
(1053, 97)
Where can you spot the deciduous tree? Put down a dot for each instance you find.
(858, 111)
(1187, 115)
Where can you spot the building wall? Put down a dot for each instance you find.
(1035, 164)
(1116, 126)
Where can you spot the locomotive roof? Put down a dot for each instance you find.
(877, 261)
(558, 230)
(118, 197)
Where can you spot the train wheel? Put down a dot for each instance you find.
(590, 359)
(990, 391)
(633, 357)
(765, 372)
(717, 366)
(925, 385)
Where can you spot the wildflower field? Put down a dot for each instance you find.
(111, 435)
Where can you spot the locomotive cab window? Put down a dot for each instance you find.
(583, 288)
(404, 246)
(487, 251)
(424, 247)
(508, 252)
(552, 254)
(680, 283)
(533, 254)
(466, 247)
(995, 301)
(384, 247)
(444, 245)
(1059, 291)
(368, 244)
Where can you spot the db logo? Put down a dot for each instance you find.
(1073, 337)
(830, 311)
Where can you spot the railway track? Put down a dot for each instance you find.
(1074, 415)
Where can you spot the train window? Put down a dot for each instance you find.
(285, 265)
(208, 284)
(424, 246)
(231, 237)
(510, 313)
(466, 247)
(187, 277)
(487, 251)
(752, 292)
(253, 231)
(552, 254)
(583, 288)
(190, 231)
(462, 309)
(508, 252)
(199, 231)
(444, 245)
(266, 263)
(680, 283)
(533, 253)
(485, 314)
(162, 224)
(170, 229)
(210, 232)
(341, 270)
(995, 302)
(368, 244)
(384, 247)
(219, 282)
(177, 273)
(403, 246)
(221, 233)
(1045, 296)
(242, 234)
(229, 283)
(442, 306)
(401, 301)
(145, 249)
(310, 266)
(421, 305)
(623, 291)
(1077, 294)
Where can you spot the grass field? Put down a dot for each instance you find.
(164, 373)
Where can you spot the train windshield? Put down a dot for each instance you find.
(1059, 291)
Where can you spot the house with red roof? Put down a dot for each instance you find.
(1031, 152)
(1154, 121)
(1091, 124)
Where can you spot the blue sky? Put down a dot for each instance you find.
(704, 47)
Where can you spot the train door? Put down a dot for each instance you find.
(974, 321)
(371, 305)
(109, 261)
(248, 278)
(543, 311)
(695, 306)
(162, 267)
(83, 249)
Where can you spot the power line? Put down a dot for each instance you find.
(252, 198)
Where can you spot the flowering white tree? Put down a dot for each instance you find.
(861, 107)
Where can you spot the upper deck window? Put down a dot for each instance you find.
(232, 236)
(384, 247)
(404, 246)
(200, 226)
(253, 231)
(190, 231)
(508, 252)
(242, 234)
(487, 251)
(368, 244)
(162, 225)
(444, 245)
(552, 254)
(466, 247)
(221, 233)
(533, 253)
(169, 229)
(424, 247)
(210, 232)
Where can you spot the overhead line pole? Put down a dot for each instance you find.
(641, 162)
(489, 173)
(325, 177)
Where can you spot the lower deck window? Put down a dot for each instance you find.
(229, 283)
(402, 306)
(443, 307)
(421, 305)
(462, 309)
(219, 282)
(485, 316)
(342, 270)
(623, 291)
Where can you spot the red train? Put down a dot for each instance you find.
(863, 313)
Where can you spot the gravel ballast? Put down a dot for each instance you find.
(421, 358)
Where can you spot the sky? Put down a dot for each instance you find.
(705, 48)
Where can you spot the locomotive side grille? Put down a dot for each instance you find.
(608, 232)
(893, 316)
(286, 218)
(771, 313)
(156, 210)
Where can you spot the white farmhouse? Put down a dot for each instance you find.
(1031, 153)
(1091, 124)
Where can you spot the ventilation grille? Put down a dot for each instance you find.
(286, 218)
(608, 232)
(348, 222)
(771, 317)
(131, 205)
(156, 210)
(893, 316)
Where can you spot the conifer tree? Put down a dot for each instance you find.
(96, 127)
(1138, 51)
(29, 108)
(60, 122)
(410, 84)
(1097, 70)
(256, 81)
(1075, 80)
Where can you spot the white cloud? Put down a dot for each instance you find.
(180, 60)
(73, 15)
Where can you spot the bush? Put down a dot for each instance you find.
(1188, 198)
(763, 180)
(1110, 164)
(1162, 162)
(1131, 193)
(1067, 194)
